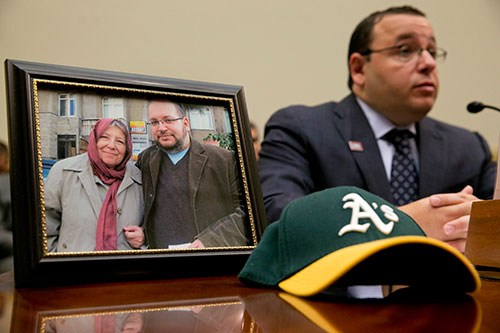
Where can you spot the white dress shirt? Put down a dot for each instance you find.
(380, 126)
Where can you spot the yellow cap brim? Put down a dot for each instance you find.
(325, 271)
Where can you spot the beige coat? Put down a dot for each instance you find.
(73, 201)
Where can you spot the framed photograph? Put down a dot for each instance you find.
(120, 176)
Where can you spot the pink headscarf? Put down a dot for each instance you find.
(106, 236)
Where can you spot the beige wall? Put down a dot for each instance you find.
(282, 51)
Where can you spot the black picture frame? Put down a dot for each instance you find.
(33, 265)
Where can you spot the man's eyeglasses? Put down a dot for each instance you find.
(164, 121)
(408, 52)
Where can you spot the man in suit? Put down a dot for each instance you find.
(191, 190)
(392, 75)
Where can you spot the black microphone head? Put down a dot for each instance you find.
(475, 107)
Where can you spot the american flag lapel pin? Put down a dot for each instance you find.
(355, 146)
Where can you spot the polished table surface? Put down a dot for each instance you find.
(223, 304)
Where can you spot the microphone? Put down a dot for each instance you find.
(475, 107)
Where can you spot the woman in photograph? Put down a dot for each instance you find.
(93, 201)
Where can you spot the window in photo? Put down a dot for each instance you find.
(112, 108)
(67, 105)
(201, 118)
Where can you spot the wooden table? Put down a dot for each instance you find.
(223, 304)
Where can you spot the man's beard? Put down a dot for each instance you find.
(177, 146)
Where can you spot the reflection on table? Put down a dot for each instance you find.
(223, 304)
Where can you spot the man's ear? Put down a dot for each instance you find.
(357, 67)
(186, 123)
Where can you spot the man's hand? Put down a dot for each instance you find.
(134, 235)
(444, 216)
(197, 244)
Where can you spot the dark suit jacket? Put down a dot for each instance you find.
(214, 191)
(306, 149)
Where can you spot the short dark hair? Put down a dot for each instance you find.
(180, 110)
(362, 35)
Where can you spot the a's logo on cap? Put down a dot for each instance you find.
(362, 210)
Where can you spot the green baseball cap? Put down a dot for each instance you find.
(346, 236)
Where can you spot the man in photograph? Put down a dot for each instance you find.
(192, 193)
(379, 137)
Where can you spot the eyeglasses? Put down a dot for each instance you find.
(164, 121)
(409, 52)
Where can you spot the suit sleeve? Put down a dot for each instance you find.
(485, 188)
(284, 164)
